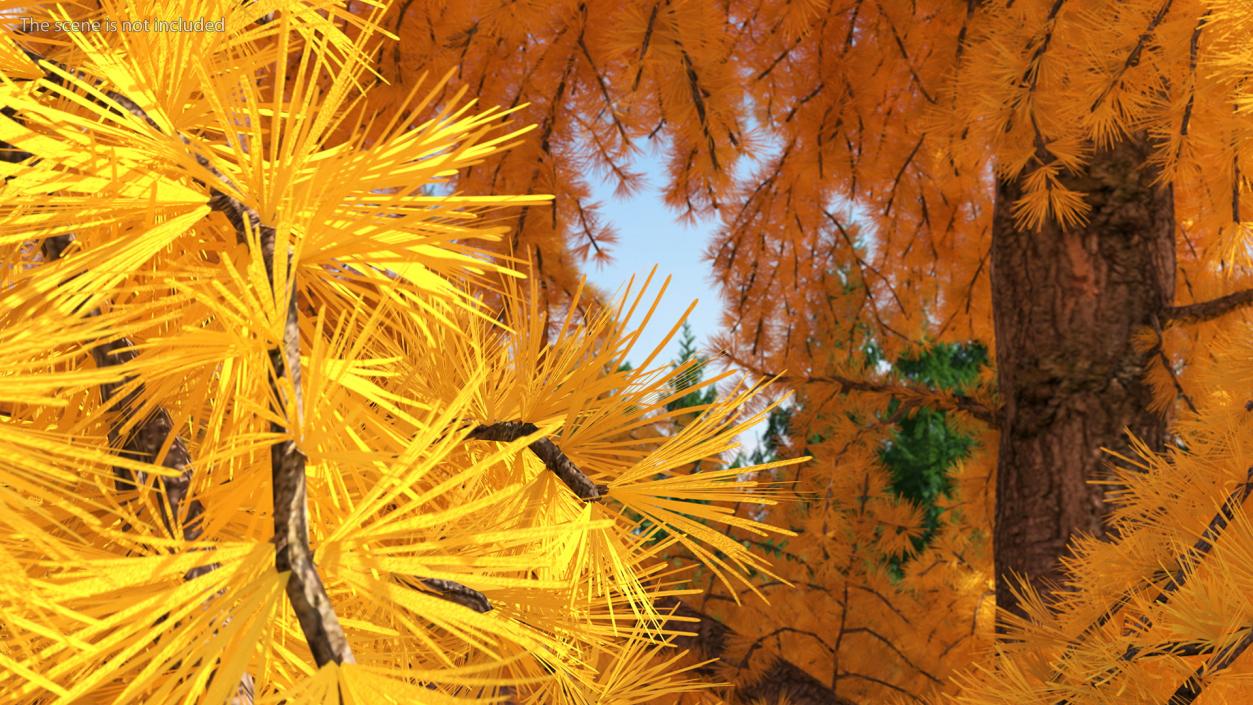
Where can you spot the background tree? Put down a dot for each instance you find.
(689, 382)
(1061, 182)
(924, 447)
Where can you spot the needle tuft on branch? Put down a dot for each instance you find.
(548, 452)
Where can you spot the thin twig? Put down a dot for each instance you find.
(1209, 310)
(698, 102)
(1160, 350)
(1175, 580)
(1190, 689)
(708, 638)
(1133, 58)
(458, 593)
(909, 395)
(548, 452)
(145, 441)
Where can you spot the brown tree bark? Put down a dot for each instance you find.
(1066, 304)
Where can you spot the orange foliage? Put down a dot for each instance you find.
(838, 98)
(877, 128)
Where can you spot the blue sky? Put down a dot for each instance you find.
(650, 235)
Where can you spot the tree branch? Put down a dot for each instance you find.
(910, 396)
(707, 637)
(1208, 310)
(145, 441)
(698, 101)
(1133, 58)
(548, 452)
(900, 45)
(292, 551)
(1203, 545)
(310, 601)
(287, 463)
(1134, 651)
(1176, 579)
(458, 593)
(308, 595)
(1190, 689)
(1160, 351)
(600, 81)
(1169, 648)
(648, 35)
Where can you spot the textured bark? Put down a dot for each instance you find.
(557, 462)
(458, 593)
(1066, 305)
(292, 552)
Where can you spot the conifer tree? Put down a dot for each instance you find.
(692, 365)
(1064, 182)
(276, 427)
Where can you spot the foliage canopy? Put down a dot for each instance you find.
(252, 368)
(467, 438)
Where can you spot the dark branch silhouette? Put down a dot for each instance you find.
(552, 456)
(1209, 310)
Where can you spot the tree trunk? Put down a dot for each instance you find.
(1066, 304)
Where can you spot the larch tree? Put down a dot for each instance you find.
(1063, 182)
(276, 426)
(1060, 181)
